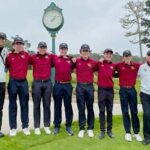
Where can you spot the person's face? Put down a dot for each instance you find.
(127, 59)
(18, 46)
(85, 54)
(148, 59)
(42, 50)
(108, 56)
(2, 42)
(63, 51)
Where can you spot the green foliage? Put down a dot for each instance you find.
(146, 24)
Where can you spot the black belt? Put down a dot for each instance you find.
(42, 80)
(85, 83)
(62, 82)
(127, 87)
(18, 80)
(106, 88)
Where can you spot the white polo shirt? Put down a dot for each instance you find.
(2, 66)
(144, 74)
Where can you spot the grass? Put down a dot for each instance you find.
(62, 141)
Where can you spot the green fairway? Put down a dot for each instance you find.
(62, 141)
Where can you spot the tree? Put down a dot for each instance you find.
(146, 24)
(132, 21)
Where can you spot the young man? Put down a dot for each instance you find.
(41, 86)
(144, 74)
(106, 70)
(127, 71)
(85, 67)
(63, 89)
(3, 54)
(17, 64)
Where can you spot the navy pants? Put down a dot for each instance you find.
(2, 97)
(145, 100)
(105, 102)
(85, 99)
(16, 87)
(62, 92)
(41, 91)
(128, 99)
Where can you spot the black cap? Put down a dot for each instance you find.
(148, 53)
(127, 53)
(42, 44)
(3, 35)
(63, 45)
(85, 47)
(108, 50)
(18, 39)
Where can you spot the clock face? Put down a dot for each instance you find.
(52, 19)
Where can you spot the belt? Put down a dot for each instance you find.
(106, 88)
(85, 83)
(62, 82)
(127, 87)
(19, 80)
(42, 80)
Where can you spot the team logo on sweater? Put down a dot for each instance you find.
(69, 62)
(89, 65)
(22, 56)
(111, 67)
(132, 67)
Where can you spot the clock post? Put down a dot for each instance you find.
(53, 21)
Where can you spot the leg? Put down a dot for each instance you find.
(125, 109)
(67, 103)
(2, 97)
(109, 106)
(89, 99)
(81, 106)
(46, 103)
(24, 99)
(101, 104)
(145, 99)
(36, 96)
(12, 93)
(134, 111)
(57, 95)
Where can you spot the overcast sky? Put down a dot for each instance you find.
(95, 22)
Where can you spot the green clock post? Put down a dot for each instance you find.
(53, 21)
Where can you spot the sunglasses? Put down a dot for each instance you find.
(18, 43)
(43, 47)
(85, 50)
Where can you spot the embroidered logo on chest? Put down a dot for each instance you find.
(145, 69)
(111, 67)
(132, 67)
(46, 57)
(22, 56)
(69, 62)
(89, 65)
(123, 68)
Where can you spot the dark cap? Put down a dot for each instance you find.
(85, 47)
(3, 35)
(108, 50)
(127, 53)
(148, 53)
(18, 39)
(42, 44)
(63, 45)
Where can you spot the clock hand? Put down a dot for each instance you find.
(53, 18)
